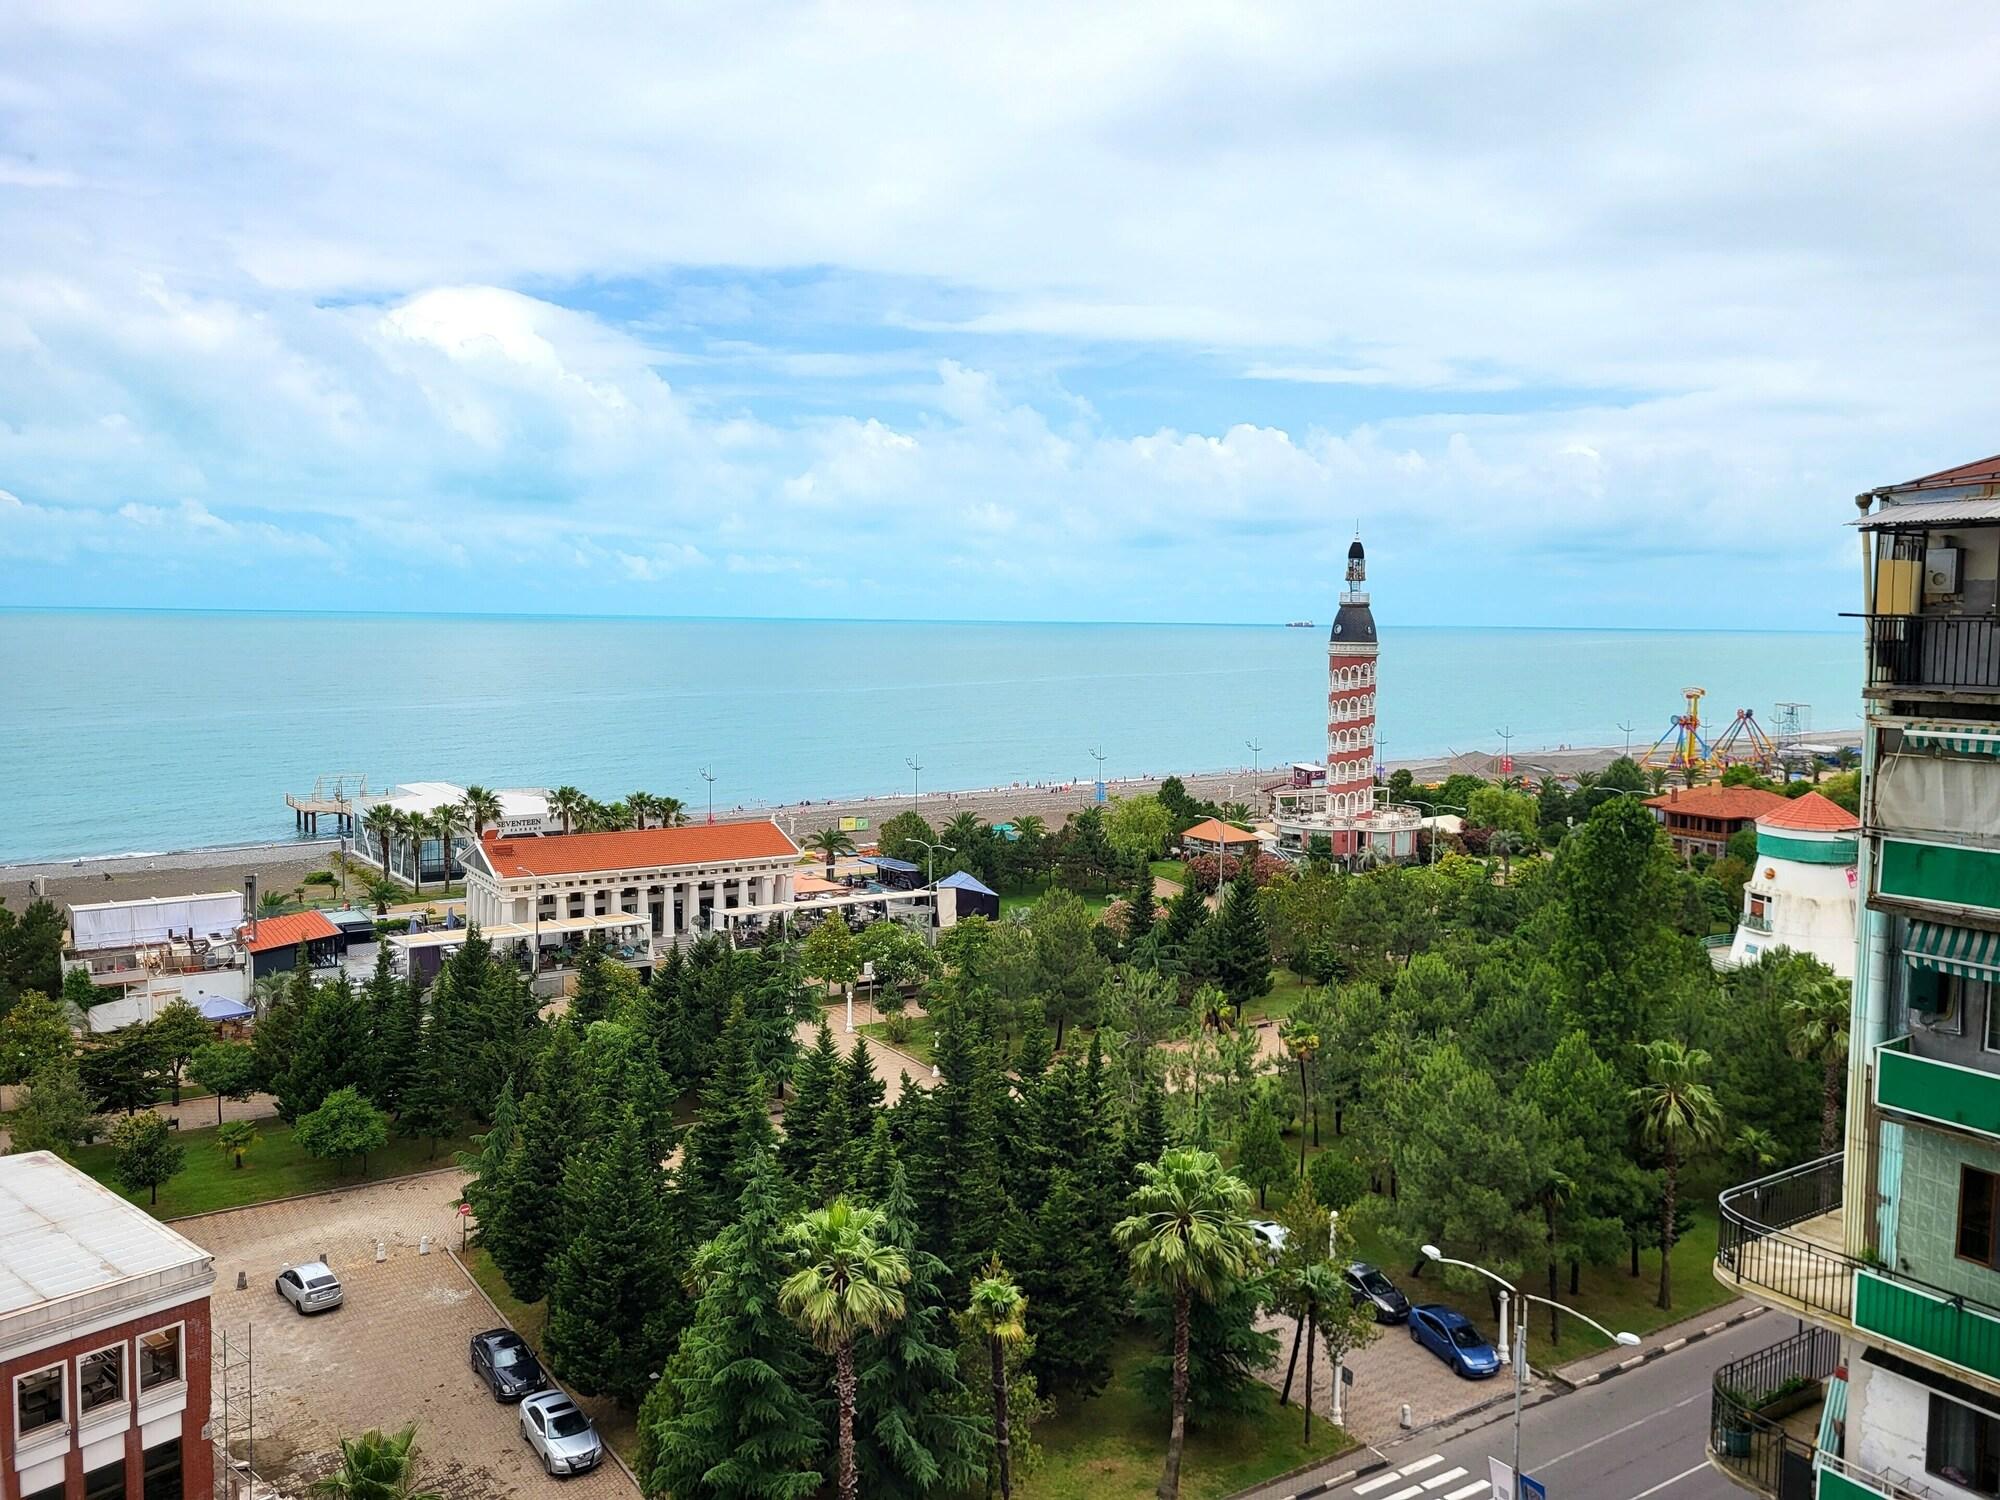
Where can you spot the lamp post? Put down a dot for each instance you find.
(1434, 806)
(1517, 1353)
(930, 850)
(916, 769)
(1255, 750)
(710, 779)
(1097, 755)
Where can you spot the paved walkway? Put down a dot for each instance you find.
(192, 1114)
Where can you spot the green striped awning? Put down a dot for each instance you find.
(1966, 739)
(1953, 950)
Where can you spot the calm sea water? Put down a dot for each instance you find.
(143, 730)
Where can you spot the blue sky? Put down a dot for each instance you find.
(1589, 315)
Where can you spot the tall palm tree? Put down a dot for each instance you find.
(1816, 1022)
(999, 1313)
(640, 806)
(376, 1466)
(1187, 1237)
(383, 892)
(1678, 1114)
(413, 830)
(568, 803)
(832, 843)
(447, 822)
(671, 811)
(849, 1281)
(480, 807)
(1301, 1039)
(1314, 1290)
(383, 822)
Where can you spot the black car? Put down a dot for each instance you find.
(1375, 1290)
(502, 1359)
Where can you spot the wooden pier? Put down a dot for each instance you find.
(334, 796)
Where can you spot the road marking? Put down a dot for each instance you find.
(1423, 1463)
(1375, 1484)
(1409, 1494)
(1440, 1480)
(1675, 1480)
(1470, 1490)
(1549, 1463)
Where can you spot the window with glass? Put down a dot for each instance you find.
(55, 1491)
(100, 1379)
(1979, 1216)
(38, 1401)
(105, 1483)
(1963, 1446)
(159, 1357)
(163, 1472)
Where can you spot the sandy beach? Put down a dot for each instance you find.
(282, 864)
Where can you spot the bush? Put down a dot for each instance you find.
(319, 877)
(1336, 1182)
(1203, 875)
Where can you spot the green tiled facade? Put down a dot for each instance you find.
(1927, 1212)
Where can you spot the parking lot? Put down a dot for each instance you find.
(394, 1354)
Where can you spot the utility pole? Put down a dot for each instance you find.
(915, 771)
(1628, 739)
(1507, 751)
(705, 776)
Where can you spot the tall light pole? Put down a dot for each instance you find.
(1434, 806)
(915, 770)
(1628, 738)
(1098, 755)
(930, 850)
(1255, 750)
(1518, 1350)
(1506, 750)
(705, 776)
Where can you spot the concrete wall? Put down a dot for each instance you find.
(1927, 1212)
(1888, 1422)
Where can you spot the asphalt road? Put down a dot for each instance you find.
(1638, 1436)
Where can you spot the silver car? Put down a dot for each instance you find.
(311, 1288)
(561, 1435)
(1271, 1237)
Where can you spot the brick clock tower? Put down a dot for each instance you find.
(1350, 705)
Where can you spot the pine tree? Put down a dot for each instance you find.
(379, 1000)
(1226, 1350)
(428, 1100)
(591, 999)
(525, 1226)
(875, 1163)
(952, 1148)
(864, 1092)
(330, 1052)
(1242, 944)
(400, 1026)
(1036, 1047)
(1261, 1158)
(730, 1420)
(812, 1088)
(732, 1123)
(607, 1330)
(1144, 1137)
(1143, 910)
(488, 1163)
(1064, 1260)
(833, 1141)
(912, 1436)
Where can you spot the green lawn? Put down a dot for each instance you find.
(916, 1041)
(1113, 1446)
(1607, 1293)
(1170, 869)
(276, 1167)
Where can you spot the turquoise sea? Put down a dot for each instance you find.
(139, 730)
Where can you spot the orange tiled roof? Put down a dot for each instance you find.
(1208, 831)
(290, 930)
(1715, 801)
(1812, 812)
(637, 849)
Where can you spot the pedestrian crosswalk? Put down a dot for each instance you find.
(1416, 1481)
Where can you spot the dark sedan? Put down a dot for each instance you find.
(502, 1359)
(1372, 1289)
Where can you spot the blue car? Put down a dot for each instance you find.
(1453, 1339)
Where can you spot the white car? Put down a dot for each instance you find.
(561, 1435)
(1270, 1237)
(311, 1288)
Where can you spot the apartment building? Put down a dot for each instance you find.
(1889, 1250)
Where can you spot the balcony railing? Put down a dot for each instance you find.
(1750, 1399)
(1759, 1241)
(1934, 651)
(1841, 1480)
(1756, 922)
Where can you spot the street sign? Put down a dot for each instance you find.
(1501, 1474)
(1531, 1488)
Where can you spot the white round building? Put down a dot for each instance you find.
(1801, 891)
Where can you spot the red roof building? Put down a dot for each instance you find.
(1702, 819)
(273, 942)
(635, 849)
(1811, 813)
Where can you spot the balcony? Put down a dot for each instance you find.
(1944, 1093)
(1840, 1480)
(1933, 654)
(1756, 922)
(1781, 1240)
(1766, 1411)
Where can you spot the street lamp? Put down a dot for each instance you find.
(1518, 1352)
(710, 779)
(930, 850)
(915, 769)
(1434, 806)
(1098, 756)
(1255, 750)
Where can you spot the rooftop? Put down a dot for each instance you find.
(1812, 813)
(1209, 831)
(62, 1234)
(289, 931)
(636, 849)
(1979, 471)
(1716, 801)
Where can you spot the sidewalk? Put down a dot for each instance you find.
(1660, 1341)
(193, 1114)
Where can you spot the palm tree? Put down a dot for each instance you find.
(1302, 1041)
(235, 1137)
(671, 811)
(376, 1467)
(964, 833)
(1314, 1290)
(832, 843)
(382, 820)
(447, 822)
(383, 892)
(1816, 1021)
(1187, 1237)
(1678, 1114)
(480, 808)
(849, 1281)
(640, 806)
(271, 903)
(998, 1311)
(414, 830)
(568, 803)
